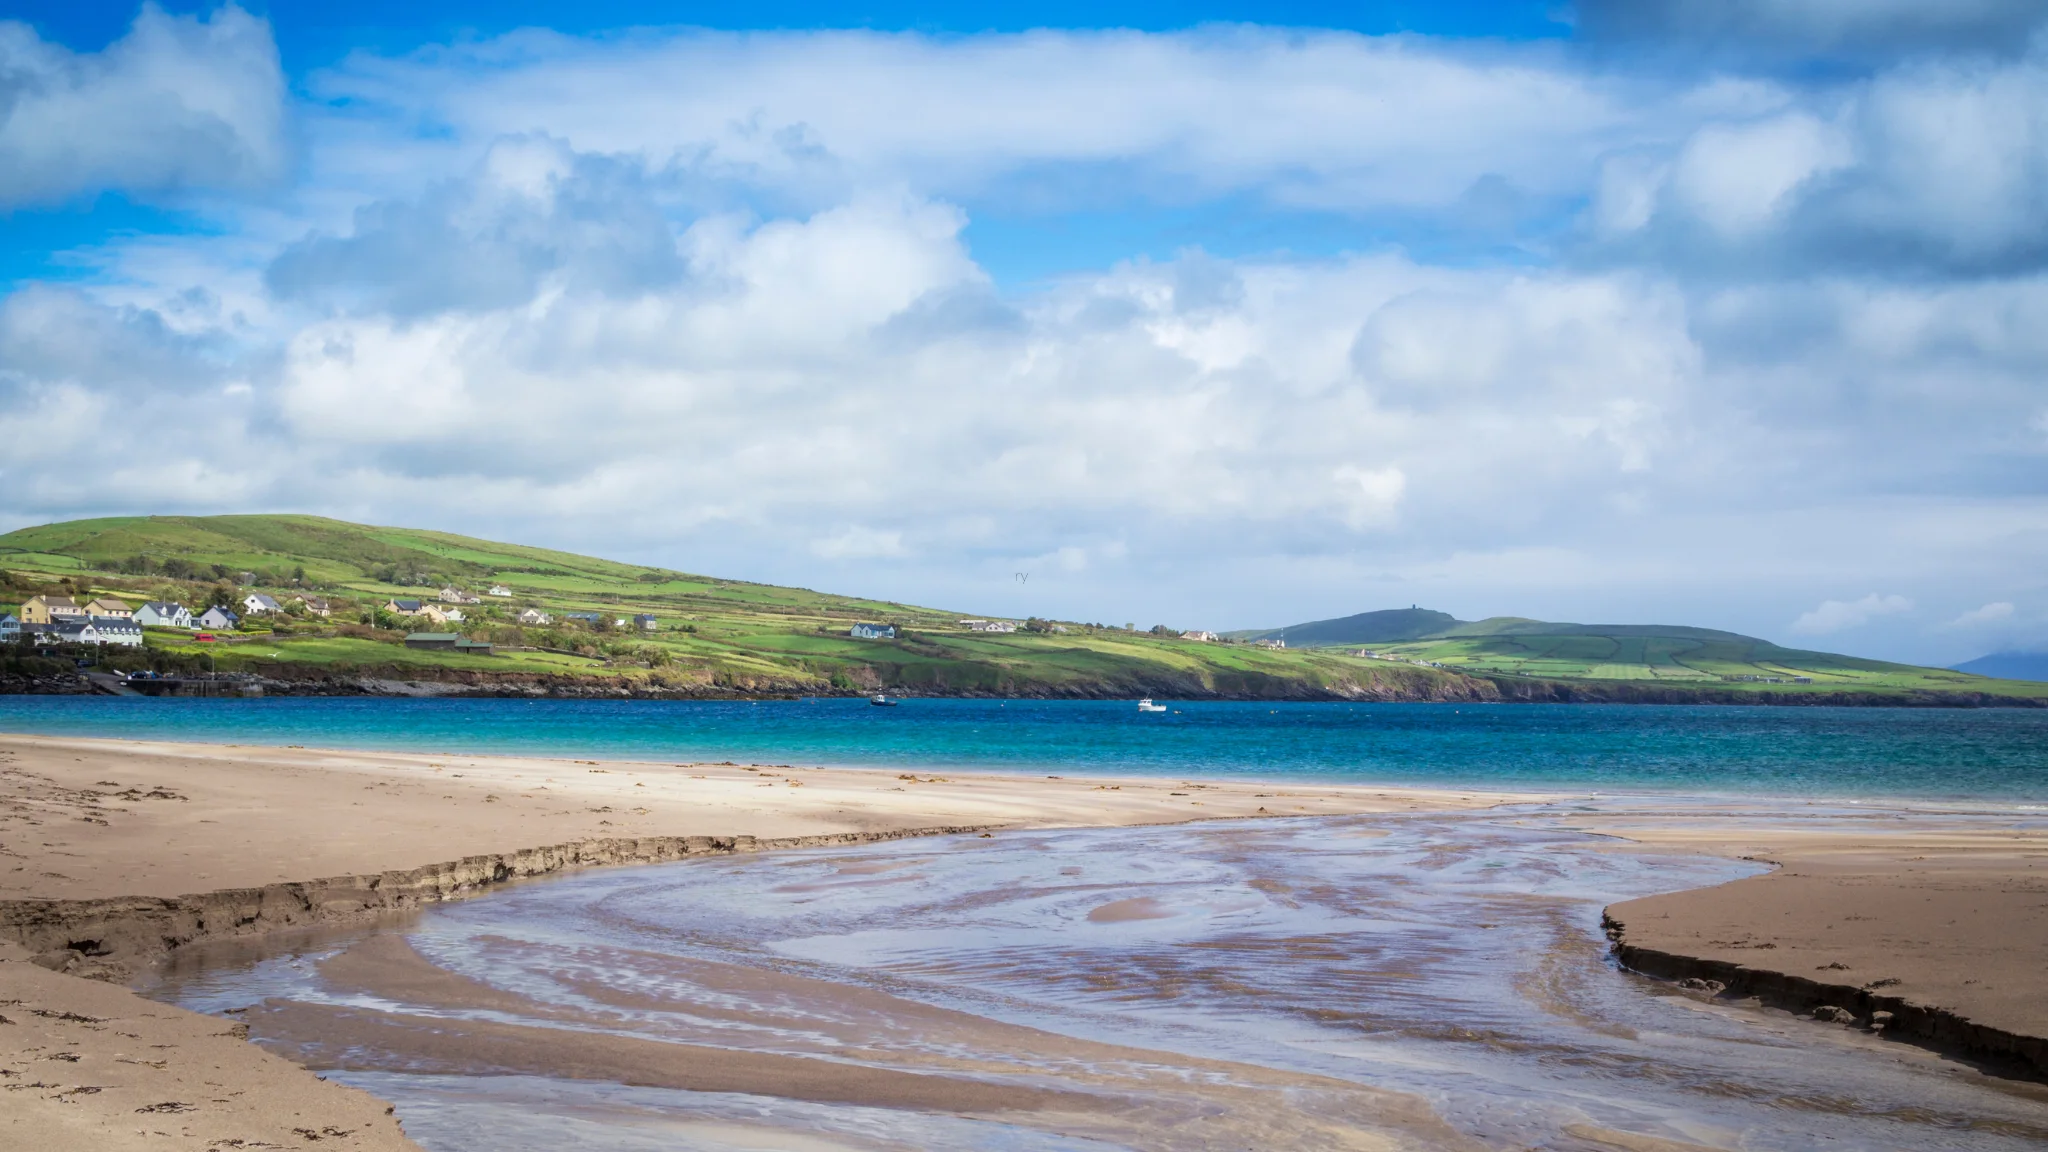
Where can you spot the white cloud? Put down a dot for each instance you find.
(178, 103)
(1837, 615)
(1996, 612)
(857, 543)
(1740, 178)
(1371, 495)
(1309, 118)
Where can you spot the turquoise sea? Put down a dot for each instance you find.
(1830, 752)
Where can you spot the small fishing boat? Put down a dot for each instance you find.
(881, 701)
(1146, 705)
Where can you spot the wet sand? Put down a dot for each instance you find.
(81, 819)
(85, 819)
(1953, 914)
(1923, 909)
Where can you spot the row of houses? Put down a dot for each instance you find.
(121, 630)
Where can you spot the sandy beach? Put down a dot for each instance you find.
(1942, 912)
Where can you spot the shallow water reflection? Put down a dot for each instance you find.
(1417, 981)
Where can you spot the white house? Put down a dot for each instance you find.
(535, 616)
(454, 595)
(164, 614)
(500, 590)
(217, 618)
(1198, 634)
(440, 615)
(646, 623)
(993, 626)
(122, 630)
(91, 630)
(1269, 643)
(872, 631)
(257, 604)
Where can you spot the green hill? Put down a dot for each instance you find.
(714, 636)
(1364, 628)
(1513, 646)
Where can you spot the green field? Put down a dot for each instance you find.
(719, 636)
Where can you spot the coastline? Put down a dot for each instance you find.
(1452, 687)
(147, 846)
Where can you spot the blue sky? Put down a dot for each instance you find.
(1719, 313)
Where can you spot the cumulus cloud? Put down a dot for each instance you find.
(1316, 119)
(178, 103)
(532, 210)
(1996, 612)
(1933, 165)
(1837, 615)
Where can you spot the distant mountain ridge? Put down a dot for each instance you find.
(2009, 666)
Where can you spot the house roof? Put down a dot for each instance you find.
(449, 636)
(162, 606)
(262, 599)
(408, 605)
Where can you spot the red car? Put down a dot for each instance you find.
(203, 638)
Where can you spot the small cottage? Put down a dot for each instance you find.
(500, 590)
(218, 618)
(535, 616)
(646, 623)
(873, 632)
(106, 606)
(258, 604)
(163, 614)
(315, 606)
(402, 607)
(10, 628)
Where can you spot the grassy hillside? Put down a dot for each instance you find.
(714, 635)
(724, 636)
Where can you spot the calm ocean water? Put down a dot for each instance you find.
(1831, 752)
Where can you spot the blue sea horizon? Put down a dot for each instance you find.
(1991, 754)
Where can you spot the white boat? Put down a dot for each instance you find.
(1146, 705)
